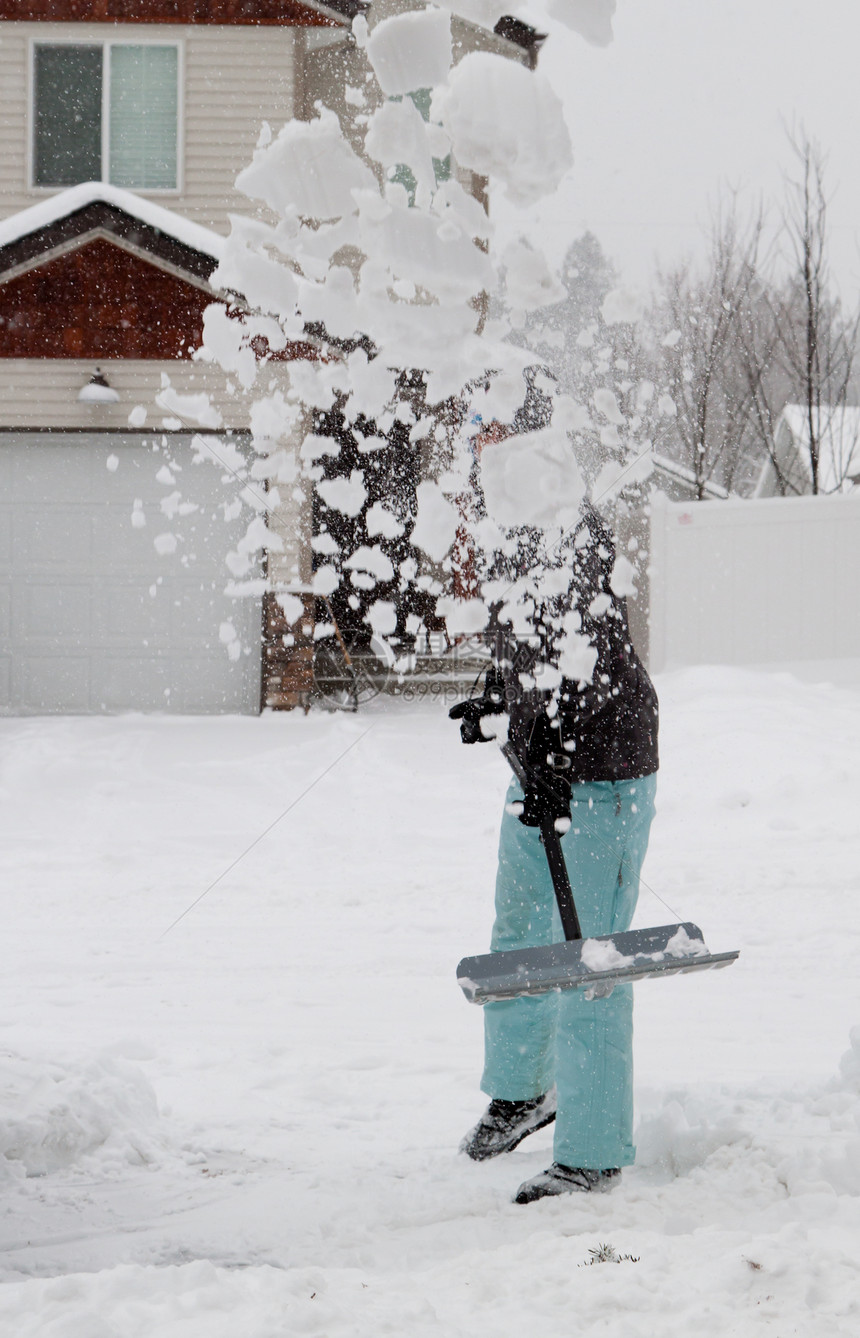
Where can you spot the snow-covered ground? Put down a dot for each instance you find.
(247, 1127)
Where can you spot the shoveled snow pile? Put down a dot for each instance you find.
(314, 1064)
(98, 1113)
(817, 1152)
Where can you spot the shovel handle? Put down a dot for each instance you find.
(560, 880)
(554, 853)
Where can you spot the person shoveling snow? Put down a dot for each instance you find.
(589, 749)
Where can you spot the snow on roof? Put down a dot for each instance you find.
(67, 202)
(838, 431)
(673, 469)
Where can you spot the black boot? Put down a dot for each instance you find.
(560, 1179)
(504, 1124)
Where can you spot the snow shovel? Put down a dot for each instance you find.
(595, 965)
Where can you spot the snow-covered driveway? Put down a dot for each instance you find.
(247, 1127)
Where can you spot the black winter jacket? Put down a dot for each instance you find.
(606, 724)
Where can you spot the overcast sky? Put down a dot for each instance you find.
(695, 94)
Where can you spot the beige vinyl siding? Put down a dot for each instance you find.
(43, 394)
(14, 81)
(468, 37)
(233, 78)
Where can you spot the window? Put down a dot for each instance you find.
(106, 112)
(441, 166)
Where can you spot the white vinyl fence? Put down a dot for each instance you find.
(754, 582)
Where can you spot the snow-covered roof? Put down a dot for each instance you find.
(680, 474)
(57, 207)
(838, 432)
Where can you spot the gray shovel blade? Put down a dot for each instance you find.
(595, 965)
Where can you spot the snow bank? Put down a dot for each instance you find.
(833, 1158)
(684, 1134)
(808, 1142)
(849, 1064)
(316, 1065)
(54, 1116)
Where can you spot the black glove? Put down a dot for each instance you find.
(470, 713)
(547, 793)
(549, 796)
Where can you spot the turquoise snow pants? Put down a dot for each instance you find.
(584, 1047)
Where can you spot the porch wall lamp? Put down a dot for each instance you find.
(98, 390)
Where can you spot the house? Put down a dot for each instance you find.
(124, 124)
(678, 483)
(789, 473)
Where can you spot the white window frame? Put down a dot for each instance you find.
(84, 39)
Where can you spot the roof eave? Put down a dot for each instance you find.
(522, 35)
(65, 221)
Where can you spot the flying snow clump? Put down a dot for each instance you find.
(506, 123)
(411, 51)
(622, 306)
(532, 479)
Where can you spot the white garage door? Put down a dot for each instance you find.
(94, 616)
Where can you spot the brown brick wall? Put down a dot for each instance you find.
(288, 669)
